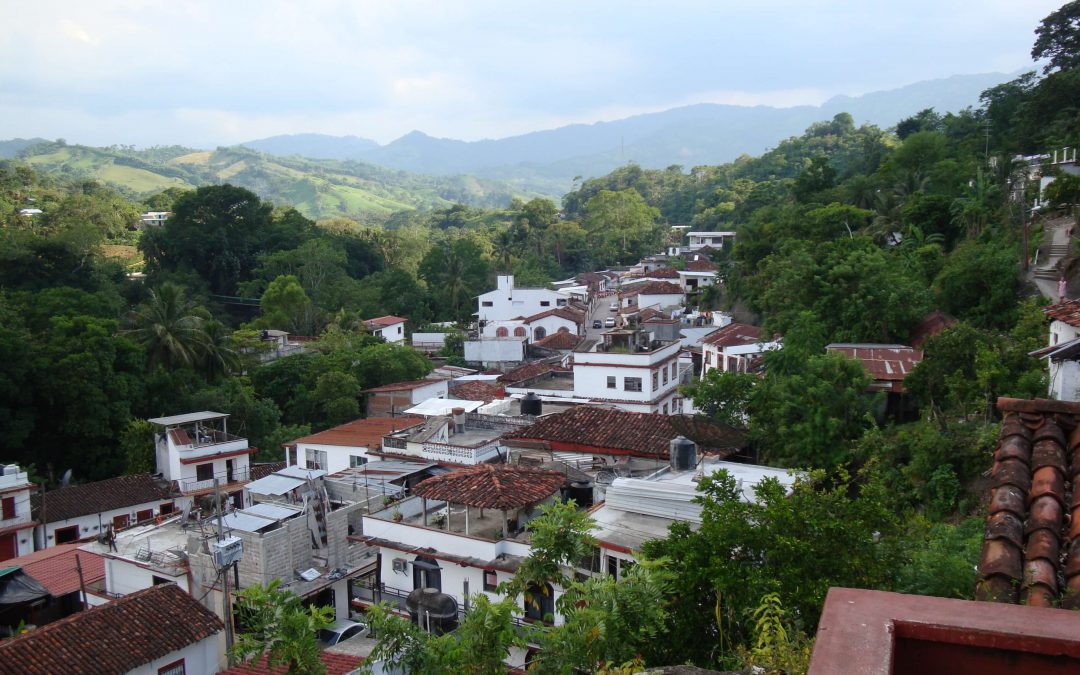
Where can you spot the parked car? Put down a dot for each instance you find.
(597, 323)
(341, 630)
(609, 322)
(614, 307)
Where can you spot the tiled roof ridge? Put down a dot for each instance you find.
(1067, 311)
(404, 385)
(72, 501)
(1037, 457)
(501, 486)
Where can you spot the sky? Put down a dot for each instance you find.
(202, 74)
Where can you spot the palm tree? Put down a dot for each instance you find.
(170, 327)
(217, 356)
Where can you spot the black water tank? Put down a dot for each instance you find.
(683, 454)
(532, 405)
(581, 491)
(433, 610)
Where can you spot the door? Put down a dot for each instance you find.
(8, 546)
(229, 471)
(426, 573)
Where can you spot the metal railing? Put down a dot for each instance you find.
(224, 478)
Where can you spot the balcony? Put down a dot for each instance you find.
(460, 454)
(225, 479)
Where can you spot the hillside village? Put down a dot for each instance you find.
(811, 412)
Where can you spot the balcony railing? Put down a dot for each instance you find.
(460, 454)
(224, 478)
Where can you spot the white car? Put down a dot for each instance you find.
(609, 322)
(341, 630)
(614, 307)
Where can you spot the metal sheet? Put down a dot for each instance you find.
(188, 417)
(246, 522)
(273, 511)
(295, 471)
(274, 485)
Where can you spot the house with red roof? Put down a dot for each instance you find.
(736, 348)
(660, 295)
(508, 304)
(389, 328)
(63, 571)
(346, 445)
(157, 631)
(195, 450)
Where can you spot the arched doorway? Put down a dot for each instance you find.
(539, 333)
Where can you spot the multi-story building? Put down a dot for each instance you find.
(507, 303)
(630, 371)
(196, 450)
(16, 523)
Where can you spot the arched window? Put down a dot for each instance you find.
(539, 333)
(501, 332)
(426, 573)
(520, 331)
(564, 329)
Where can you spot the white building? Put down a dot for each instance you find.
(460, 438)
(347, 445)
(507, 303)
(390, 400)
(16, 523)
(154, 218)
(463, 535)
(698, 240)
(389, 328)
(497, 352)
(660, 295)
(195, 450)
(631, 371)
(734, 348)
(1063, 351)
(78, 512)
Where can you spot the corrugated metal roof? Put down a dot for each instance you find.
(273, 511)
(294, 471)
(442, 406)
(245, 522)
(187, 417)
(274, 484)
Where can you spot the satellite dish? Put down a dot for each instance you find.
(65, 480)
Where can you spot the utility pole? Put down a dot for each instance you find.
(224, 572)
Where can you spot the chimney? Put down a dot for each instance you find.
(459, 420)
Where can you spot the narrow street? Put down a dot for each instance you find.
(1045, 273)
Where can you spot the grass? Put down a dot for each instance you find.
(138, 180)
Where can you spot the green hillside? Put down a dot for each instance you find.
(320, 188)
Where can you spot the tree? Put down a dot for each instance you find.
(170, 327)
(723, 395)
(979, 282)
(277, 624)
(623, 223)
(829, 530)
(336, 393)
(1057, 38)
(286, 306)
(943, 559)
(137, 445)
(455, 272)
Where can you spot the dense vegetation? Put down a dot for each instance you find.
(844, 234)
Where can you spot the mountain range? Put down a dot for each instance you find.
(706, 133)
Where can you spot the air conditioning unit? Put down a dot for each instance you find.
(401, 565)
(227, 551)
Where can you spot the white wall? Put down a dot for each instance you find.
(205, 657)
(95, 523)
(551, 325)
(337, 456)
(1061, 332)
(437, 389)
(507, 302)
(394, 333)
(660, 301)
(1065, 380)
(126, 576)
(505, 350)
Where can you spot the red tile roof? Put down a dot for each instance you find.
(403, 386)
(561, 312)
(264, 469)
(1031, 519)
(113, 638)
(700, 266)
(530, 370)
(732, 335)
(475, 391)
(103, 495)
(383, 321)
(492, 486)
(1068, 311)
(336, 664)
(655, 288)
(602, 430)
(661, 273)
(885, 363)
(930, 325)
(363, 433)
(560, 340)
(56, 570)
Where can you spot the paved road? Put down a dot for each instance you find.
(601, 312)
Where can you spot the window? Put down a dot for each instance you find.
(539, 333)
(120, 522)
(656, 378)
(204, 471)
(316, 459)
(426, 573)
(7, 508)
(144, 515)
(491, 580)
(487, 303)
(520, 331)
(632, 384)
(545, 303)
(167, 508)
(664, 372)
(159, 580)
(708, 358)
(174, 668)
(357, 460)
(501, 332)
(399, 330)
(611, 382)
(539, 602)
(665, 408)
(66, 535)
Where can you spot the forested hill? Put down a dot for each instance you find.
(688, 136)
(318, 188)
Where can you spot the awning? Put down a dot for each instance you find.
(274, 484)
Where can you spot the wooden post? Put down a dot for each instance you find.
(82, 583)
(423, 505)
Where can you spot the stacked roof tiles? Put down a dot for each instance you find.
(103, 495)
(114, 638)
(560, 340)
(1031, 550)
(492, 486)
(1068, 311)
(476, 390)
